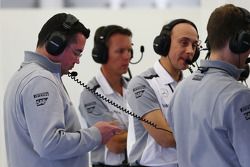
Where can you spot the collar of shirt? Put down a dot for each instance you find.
(105, 85)
(221, 65)
(163, 74)
(33, 57)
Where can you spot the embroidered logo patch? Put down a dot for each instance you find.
(42, 101)
(44, 94)
(41, 98)
(91, 108)
(246, 111)
(197, 77)
(164, 92)
(138, 91)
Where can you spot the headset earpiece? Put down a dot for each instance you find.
(240, 42)
(100, 50)
(162, 42)
(57, 41)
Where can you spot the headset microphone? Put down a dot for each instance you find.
(141, 50)
(189, 62)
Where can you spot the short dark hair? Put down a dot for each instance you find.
(224, 23)
(55, 23)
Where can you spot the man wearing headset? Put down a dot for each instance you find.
(113, 50)
(149, 94)
(210, 110)
(41, 125)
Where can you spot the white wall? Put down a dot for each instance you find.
(19, 29)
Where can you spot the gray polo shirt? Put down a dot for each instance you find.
(144, 97)
(94, 109)
(41, 125)
(210, 117)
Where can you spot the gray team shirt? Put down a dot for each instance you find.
(94, 109)
(210, 116)
(143, 99)
(41, 125)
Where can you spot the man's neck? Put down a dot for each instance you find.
(114, 80)
(167, 65)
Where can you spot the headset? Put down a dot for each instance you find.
(57, 40)
(162, 42)
(240, 42)
(102, 35)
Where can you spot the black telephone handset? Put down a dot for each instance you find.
(73, 75)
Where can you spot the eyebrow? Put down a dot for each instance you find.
(189, 39)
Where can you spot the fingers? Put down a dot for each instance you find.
(108, 129)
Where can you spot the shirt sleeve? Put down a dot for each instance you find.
(141, 96)
(52, 122)
(237, 121)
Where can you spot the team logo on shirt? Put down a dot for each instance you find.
(246, 111)
(41, 98)
(165, 96)
(164, 92)
(197, 77)
(91, 108)
(138, 91)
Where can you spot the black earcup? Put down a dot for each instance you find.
(100, 52)
(57, 41)
(161, 44)
(240, 42)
